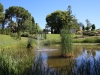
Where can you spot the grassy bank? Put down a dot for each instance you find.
(7, 41)
(77, 39)
(93, 39)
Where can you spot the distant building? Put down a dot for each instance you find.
(73, 30)
(49, 32)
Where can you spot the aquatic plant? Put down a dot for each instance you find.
(66, 41)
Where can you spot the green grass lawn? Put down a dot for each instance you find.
(57, 36)
(53, 36)
(6, 41)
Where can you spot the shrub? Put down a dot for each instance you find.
(89, 40)
(97, 40)
(29, 43)
(79, 32)
(24, 35)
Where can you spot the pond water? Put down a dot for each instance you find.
(85, 58)
(51, 52)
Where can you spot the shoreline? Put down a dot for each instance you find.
(86, 43)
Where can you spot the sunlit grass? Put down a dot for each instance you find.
(53, 36)
(7, 41)
(14, 64)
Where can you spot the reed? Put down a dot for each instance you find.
(66, 41)
(10, 65)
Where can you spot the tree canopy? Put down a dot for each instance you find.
(55, 20)
(1, 8)
(58, 19)
(19, 13)
(2, 15)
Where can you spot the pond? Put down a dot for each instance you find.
(86, 59)
(78, 52)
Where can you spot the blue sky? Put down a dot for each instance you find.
(39, 9)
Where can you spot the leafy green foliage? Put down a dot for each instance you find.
(93, 27)
(21, 15)
(66, 41)
(88, 24)
(29, 43)
(2, 16)
(1, 8)
(58, 19)
(10, 65)
(24, 34)
(87, 28)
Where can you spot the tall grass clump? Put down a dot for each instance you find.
(10, 65)
(29, 43)
(66, 41)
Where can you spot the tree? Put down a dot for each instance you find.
(12, 26)
(33, 21)
(88, 24)
(32, 30)
(81, 25)
(93, 27)
(1, 8)
(83, 28)
(20, 14)
(56, 20)
(2, 16)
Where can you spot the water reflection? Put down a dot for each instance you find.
(85, 61)
(79, 52)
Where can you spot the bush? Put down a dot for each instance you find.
(13, 34)
(79, 32)
(89, 40)
(24, 35)
(90, 33)
(97, 40)
(29, 43)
